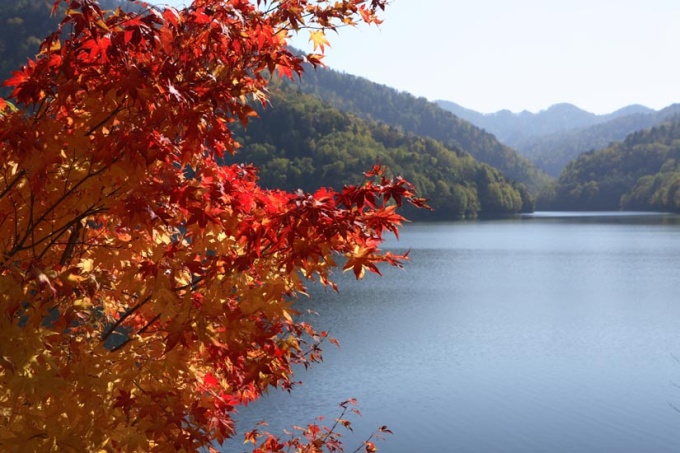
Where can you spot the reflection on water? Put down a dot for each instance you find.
(548, 332)
(622, 217)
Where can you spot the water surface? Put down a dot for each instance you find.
(553, 332)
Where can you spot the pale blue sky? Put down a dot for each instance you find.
(488, 55)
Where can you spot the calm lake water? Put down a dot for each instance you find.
(551, 332)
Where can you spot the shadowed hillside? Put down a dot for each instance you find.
(421, 117)
(640, 173)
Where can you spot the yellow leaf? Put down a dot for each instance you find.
(101, 24)
(85, 302)
(86, 265)
(10, 290)
(318, 38)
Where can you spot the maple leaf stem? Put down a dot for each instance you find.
(40, 112)
(31, 230)
(367, 442)
(193, 285)
(66, 257)
(16, 224)
(335, 425)
(56, 234)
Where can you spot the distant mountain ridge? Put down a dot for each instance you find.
(511, 128)
(554, 137)
(554, 151)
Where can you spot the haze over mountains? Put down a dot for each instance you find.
(511, 128)
(557, 135)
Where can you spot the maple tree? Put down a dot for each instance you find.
(146, 291)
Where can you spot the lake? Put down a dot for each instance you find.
(550, 332)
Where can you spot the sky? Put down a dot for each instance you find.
(489, 55)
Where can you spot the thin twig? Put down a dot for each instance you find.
(122, 319)
(140, 332)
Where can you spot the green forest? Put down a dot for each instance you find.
(640, 173)
(302, 142)
(419, 116)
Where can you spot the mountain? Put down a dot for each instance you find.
(640, 173)
(553, 137)
(553, 152)
(633, 109)
(513, 128)
(421, 117)
(302, 142)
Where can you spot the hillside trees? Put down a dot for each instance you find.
(640, 173)
(302, 142)
(145, 290)
(21, 21)
(420, 117)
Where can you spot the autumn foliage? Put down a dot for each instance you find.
(146, 291)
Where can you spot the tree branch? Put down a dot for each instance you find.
(122, 319)
(141, 331)
(71, 244)
(16, 179)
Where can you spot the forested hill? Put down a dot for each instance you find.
(23, 25)
(553, 152)
(552, 138)
(421, 117)
(640, 173)
(302, 142)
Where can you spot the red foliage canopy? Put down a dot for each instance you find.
(145, 290)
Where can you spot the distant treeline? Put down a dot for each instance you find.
(553, 152)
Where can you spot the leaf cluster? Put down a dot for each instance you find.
(146, 290)
(23, 25)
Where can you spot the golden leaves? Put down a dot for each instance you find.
(319, 40)
(132, 264)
